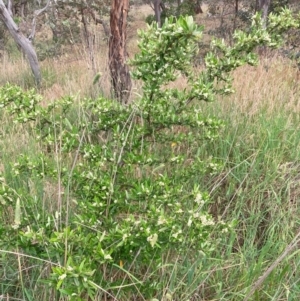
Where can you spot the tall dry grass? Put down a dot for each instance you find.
(272, 85)
(62, 76)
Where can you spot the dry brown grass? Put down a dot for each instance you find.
(272, 85)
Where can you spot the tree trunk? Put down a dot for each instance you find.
(157, 11)
(236, 12)
(89, 39)
(10, 6)
(263, 7)
(236, 8)
(120, 75)
(23, 4)
(22, 41)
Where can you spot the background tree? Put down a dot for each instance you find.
(23, 42)
(263, 6)
(76, 13)
(157, 11)
(167, 8)
(93, 9)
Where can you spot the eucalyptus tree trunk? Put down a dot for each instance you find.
(121, 81)
(157, 11)
(23, 42)
(263, 7)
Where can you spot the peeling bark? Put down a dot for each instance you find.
(121, 81)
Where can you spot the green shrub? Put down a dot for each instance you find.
(132, 205)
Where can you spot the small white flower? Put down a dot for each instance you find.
(161, 220)
(205, 221)
(175, 235)
(107, 257)
(196, 215)
(152, 239)
(169, 297)
(198, 198)
(62, 277)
